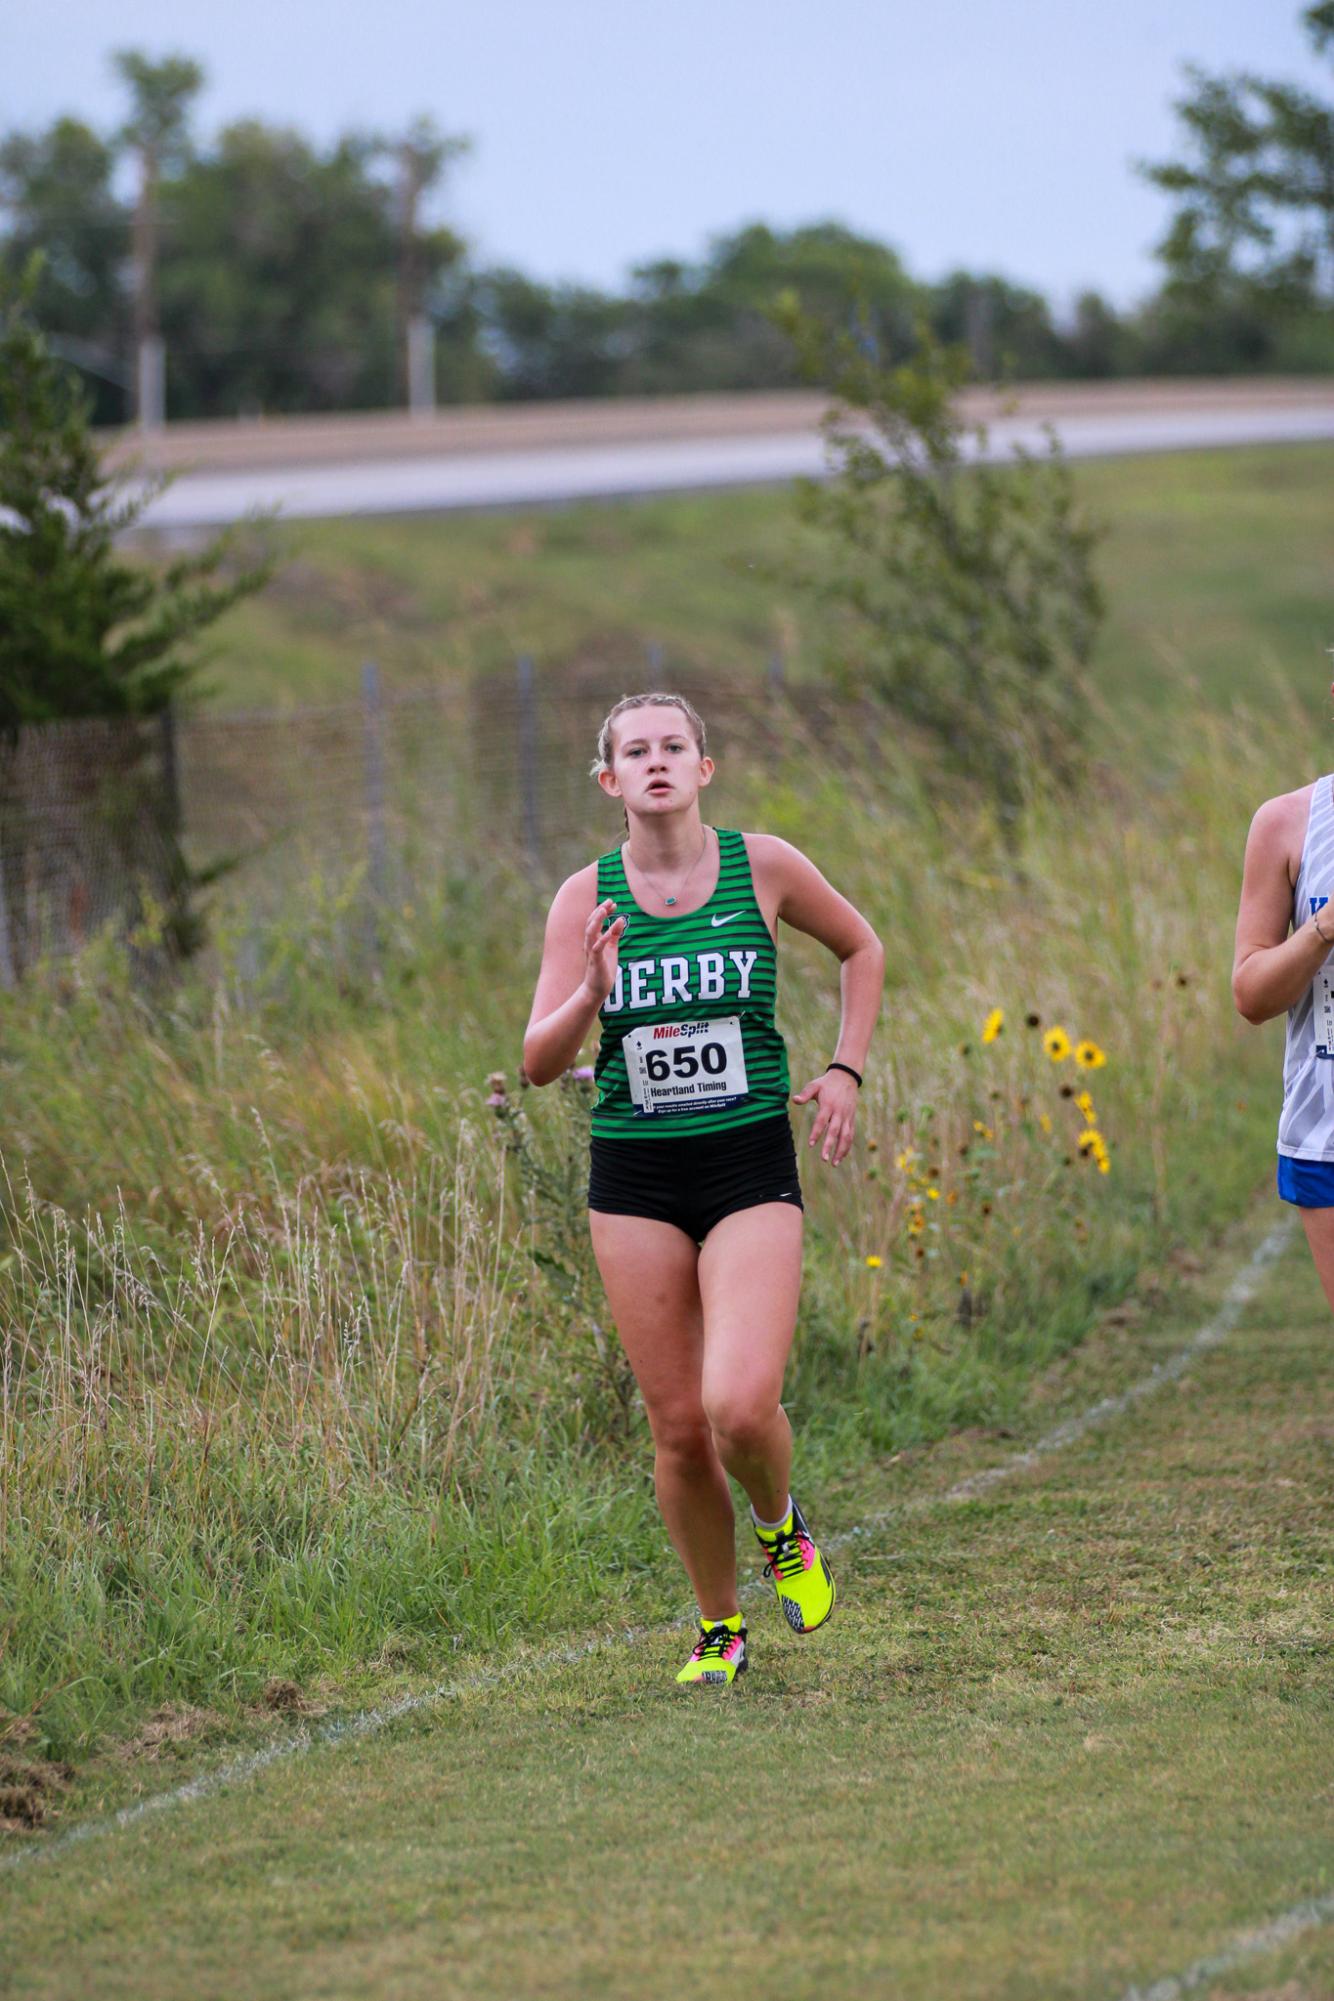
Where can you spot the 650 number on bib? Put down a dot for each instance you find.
(686, 1066)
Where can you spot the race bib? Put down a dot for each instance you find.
(1324, 1014)
(1323, 998)
(686, 1066)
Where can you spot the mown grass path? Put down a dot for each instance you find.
(1058, 1741)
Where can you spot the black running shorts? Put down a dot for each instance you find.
(695, 1181)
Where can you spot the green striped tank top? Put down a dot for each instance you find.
(689, 1043)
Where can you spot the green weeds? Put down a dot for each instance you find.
(306, 1364)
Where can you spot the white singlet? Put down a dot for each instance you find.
(1306, 1124)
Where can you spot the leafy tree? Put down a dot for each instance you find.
(1006, 328)
(279, 276)
(1249, 253)
(565, 340)
(285, 286)
(1099, 343)
(161, 94)
(962, 595)
(57, 187)
(712, 326)
(82, 632)
(281, 291)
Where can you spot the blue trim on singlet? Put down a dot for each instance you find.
(1308, 1183)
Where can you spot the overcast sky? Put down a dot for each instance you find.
(974, 133)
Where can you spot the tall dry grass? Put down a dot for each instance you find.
(306, 1368)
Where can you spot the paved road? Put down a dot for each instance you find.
(553, 474)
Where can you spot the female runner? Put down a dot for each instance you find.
(1285, 935)
(668, 942)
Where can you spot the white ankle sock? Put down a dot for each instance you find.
(760, 1523)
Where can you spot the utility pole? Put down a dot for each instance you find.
(978, 327)
(149, 372)
(156, 131)
(416, 334)
(422, 155)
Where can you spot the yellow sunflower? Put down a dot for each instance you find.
(1057, 1044)
(993, 1024)
(1089, 1057)
(1092, 1141)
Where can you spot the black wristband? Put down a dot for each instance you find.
(854, 1074)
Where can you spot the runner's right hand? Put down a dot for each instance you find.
(602, 950)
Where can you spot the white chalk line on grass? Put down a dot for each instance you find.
(1247, 1945)
(1238, 1296)
(368, 1722)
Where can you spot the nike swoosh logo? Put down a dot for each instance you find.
(716, 921)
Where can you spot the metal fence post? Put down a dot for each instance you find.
(775, 672)
(8, 974)
(528, 754)
(654, 657)
(421, 366)
(171, 769)
(151, 376)
(377, 870)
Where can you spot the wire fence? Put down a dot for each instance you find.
(102, 819)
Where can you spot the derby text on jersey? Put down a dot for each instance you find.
(689, 1042)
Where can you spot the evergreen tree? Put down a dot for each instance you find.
(83, 632)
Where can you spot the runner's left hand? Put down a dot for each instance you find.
(835, 1094)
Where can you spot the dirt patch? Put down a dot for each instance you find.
(525, 540)
(288, 1698)
(964, 1445)
(28, 1790)
(175, 1723)
(1124, 1315)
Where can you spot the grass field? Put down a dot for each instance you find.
(308, 1395)
(1216, 564)
(1059, 1740)
(308, 1362)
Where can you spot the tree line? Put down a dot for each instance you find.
(278, 275)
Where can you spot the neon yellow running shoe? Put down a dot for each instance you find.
(720, 1653)
(802, 1578)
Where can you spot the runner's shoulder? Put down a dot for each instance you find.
(773, 857)
(1278, 826)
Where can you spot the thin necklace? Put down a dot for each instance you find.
(681, 886)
